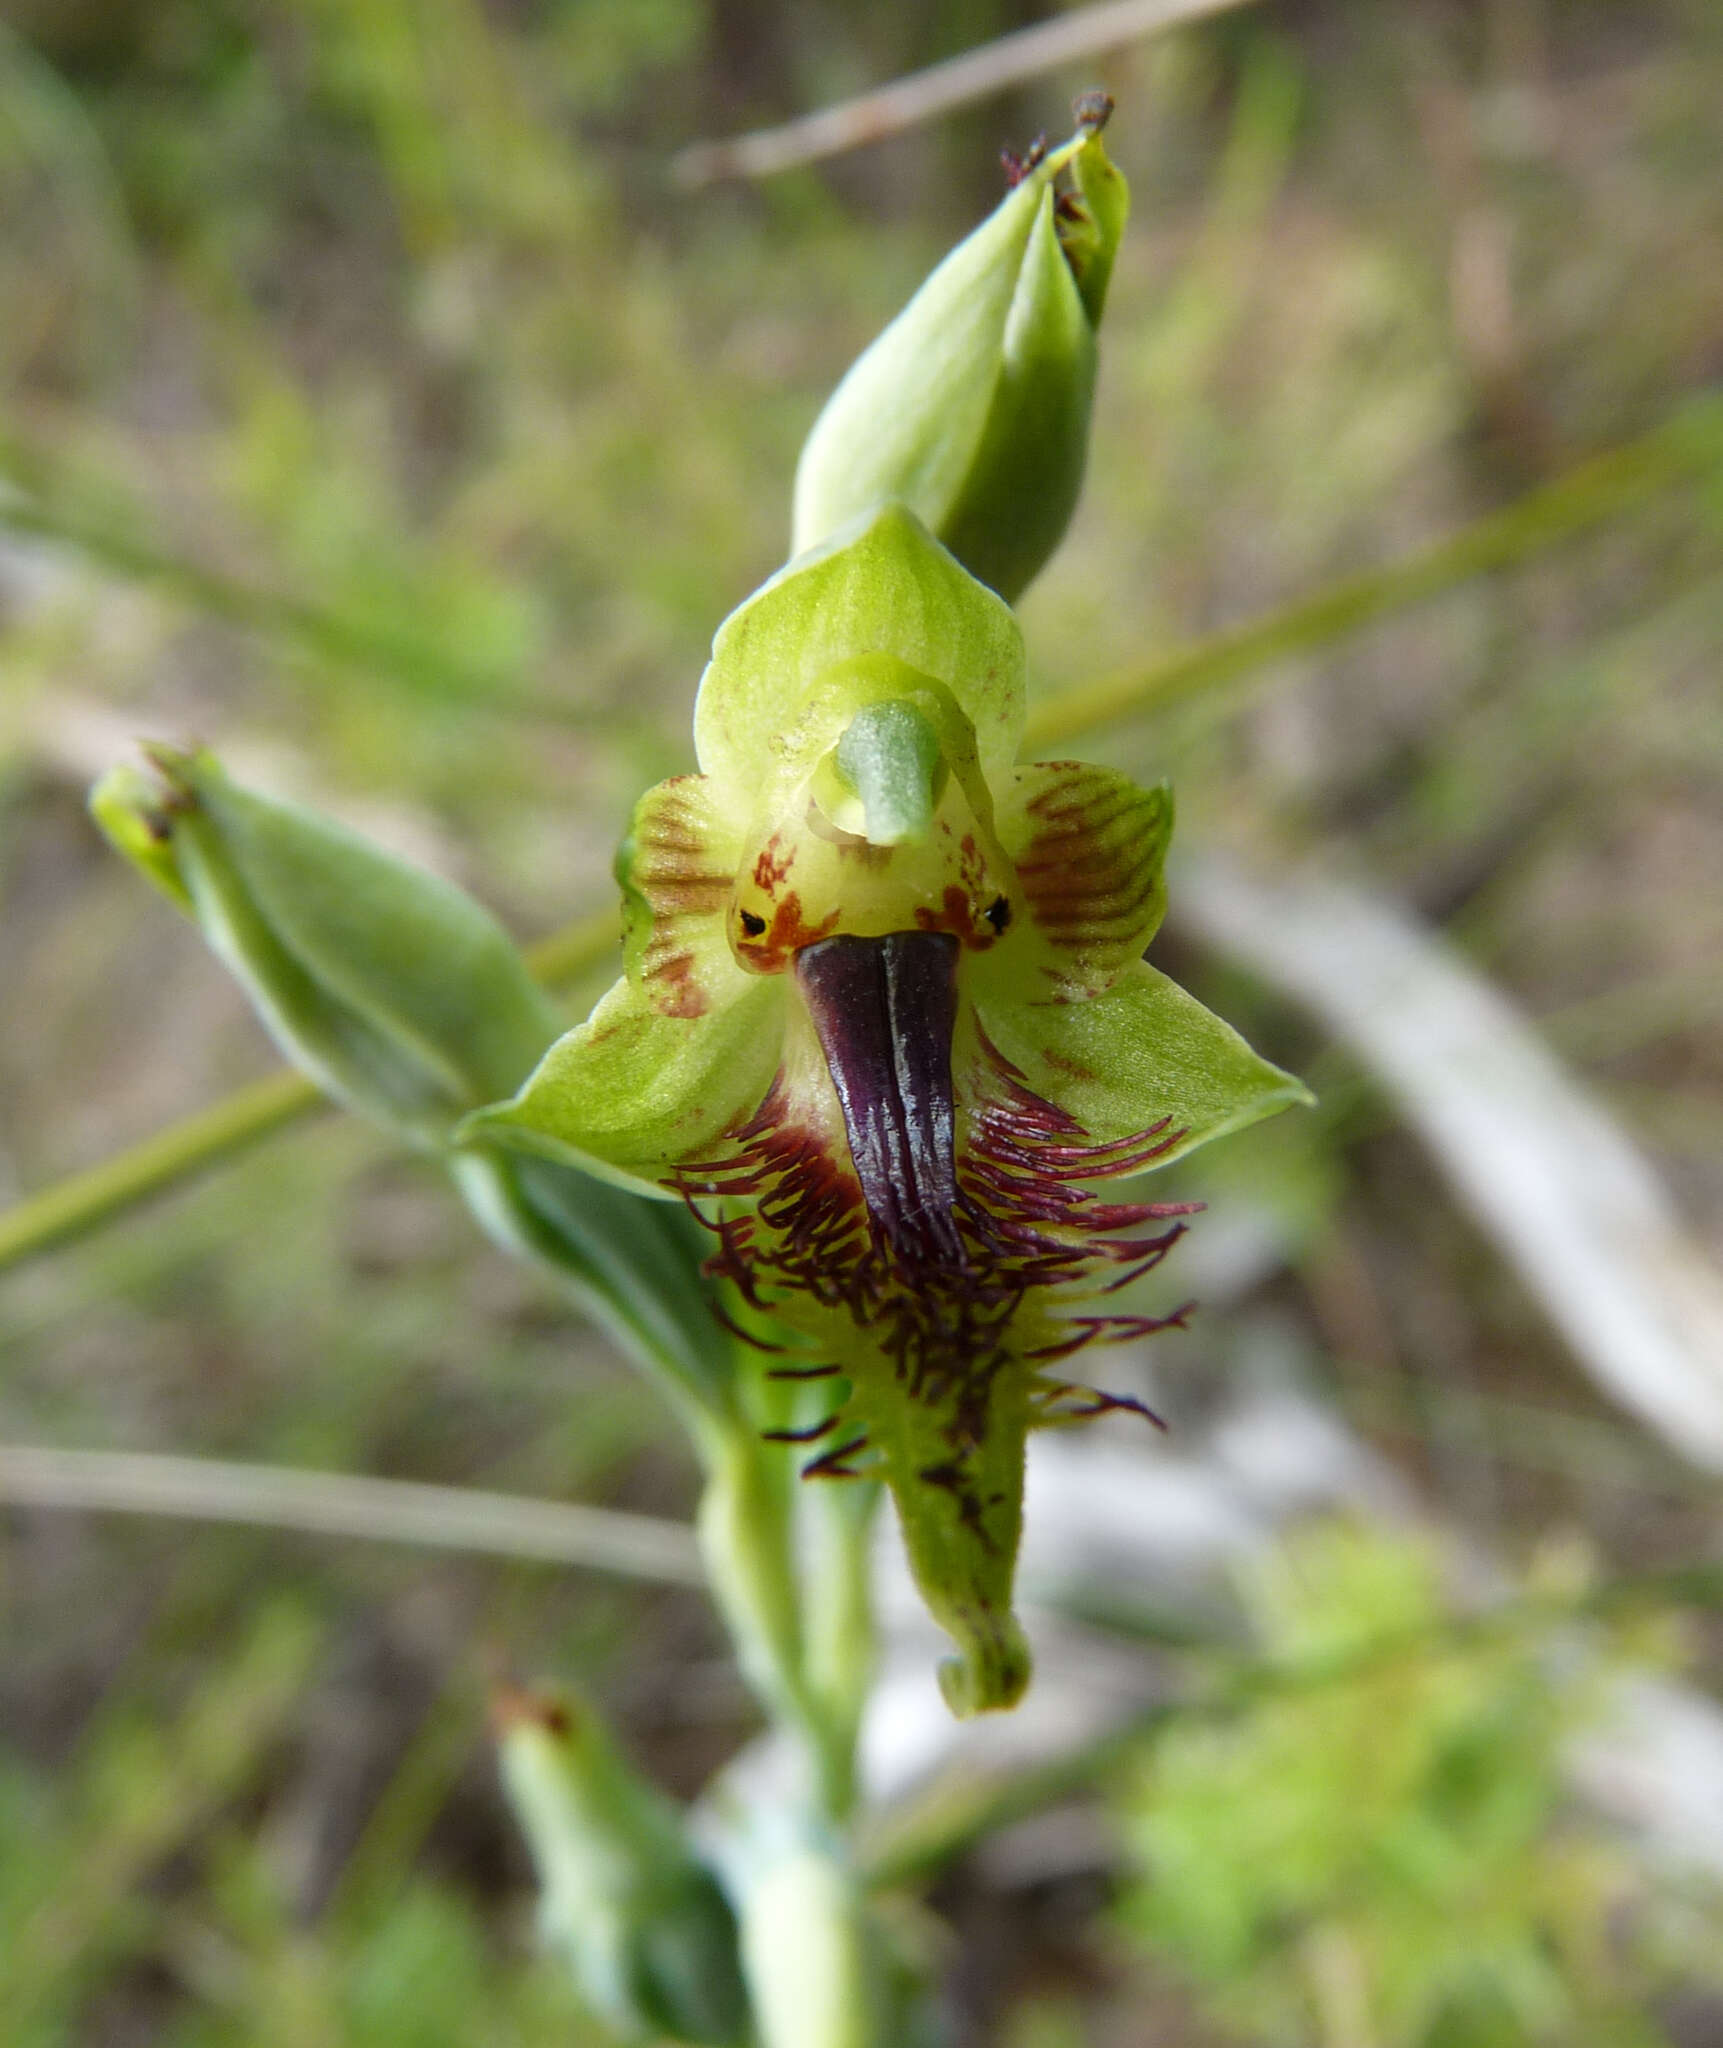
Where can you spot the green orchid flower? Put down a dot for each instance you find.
(885, 1014)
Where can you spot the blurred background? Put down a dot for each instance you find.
(376, 405)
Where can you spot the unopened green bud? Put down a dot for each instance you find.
(394, 991)
(639, 1919)
(973, 406)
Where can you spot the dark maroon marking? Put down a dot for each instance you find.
(1089, 1402)
(723, 1316)
(800, 1436)
(885, 1009)
(836, 1464)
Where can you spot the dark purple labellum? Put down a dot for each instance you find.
(885, 1010)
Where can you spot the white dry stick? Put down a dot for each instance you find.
(1561, 1189)
(335, 1504)
(975, 75)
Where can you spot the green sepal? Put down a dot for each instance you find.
(1091, 239)
(395, 992)
(1141, 1056)
(632, 1093)
(642, 1923)
(884, 587)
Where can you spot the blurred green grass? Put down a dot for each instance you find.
(384, 307)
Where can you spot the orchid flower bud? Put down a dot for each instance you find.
(401, 997)
(885, 1012)
(394, 991)
(641, 1922)
(973, 406)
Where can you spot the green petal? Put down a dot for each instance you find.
(888, 588)
(1089, 848)
(1141, 1056)
(677, 867)
(632, 1093)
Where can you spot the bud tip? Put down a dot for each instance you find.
(1092, 111)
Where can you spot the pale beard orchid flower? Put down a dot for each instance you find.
(885, 1014)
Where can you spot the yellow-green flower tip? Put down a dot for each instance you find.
(992, 1674)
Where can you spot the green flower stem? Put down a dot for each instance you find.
(841, 1645)
(82, 1202)
(1601, 488)
(744, 1531)
(1597, 490)
(811, 1958)
(747, 1540)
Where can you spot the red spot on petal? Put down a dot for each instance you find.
(785, 936)
(773, 864)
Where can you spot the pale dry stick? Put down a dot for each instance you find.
(1566, 1196)
(337, 1504)
(975, 75)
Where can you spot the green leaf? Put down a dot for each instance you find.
(134, 817)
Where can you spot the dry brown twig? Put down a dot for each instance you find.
(906, 102)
